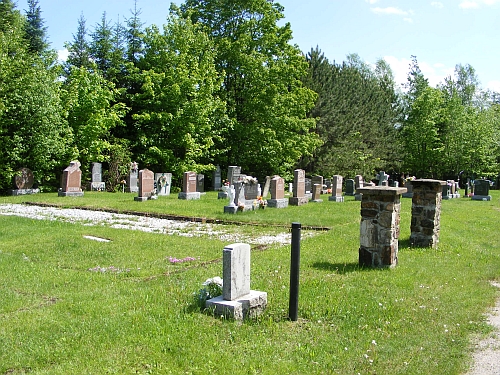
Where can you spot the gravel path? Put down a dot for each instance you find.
(142, 223)
(487, 354)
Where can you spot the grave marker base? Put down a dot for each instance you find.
(481, 197)
(298, 201)
(277, 203)
(248, 306)
(230, 209)
(336, 199)
(70, 193)
(189, 196)
(140, 199)
(24, 191)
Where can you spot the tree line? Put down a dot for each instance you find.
(221, 84)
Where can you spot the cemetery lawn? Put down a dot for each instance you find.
(70, 305)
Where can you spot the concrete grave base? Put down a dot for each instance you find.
(481, 197)
(230, 209)
(24, 191)
(222, 195)
(277, 203)
(248, 306)
(189, 196)
(140, 199)
(358, 197)
(70, 193)
(97, 186)
(298, 201)
(336, 199)
(316, 200)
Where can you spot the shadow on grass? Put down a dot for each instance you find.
(344, 268)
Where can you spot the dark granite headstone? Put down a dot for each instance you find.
(200, 183)
(349, 187)
(481, 190)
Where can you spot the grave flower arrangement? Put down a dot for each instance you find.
(250, 180)
(211, 288)
(261, 202)
(163, 180)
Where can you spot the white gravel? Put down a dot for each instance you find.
(145, 224)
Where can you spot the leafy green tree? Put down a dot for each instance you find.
(177, 114)
(32, 130)
(89, 104)
(79, 50)
(265, 97)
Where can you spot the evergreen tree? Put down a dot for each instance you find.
(35, 31)
(79, 50)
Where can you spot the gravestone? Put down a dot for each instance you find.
(319, 181)
(379, 228)
(200, 183)
(132, 178)
(23, 183)
(299, 189)
(96, 183)
(308, 185)
(481, 190)
(233, 174)
(252, 190)
(189, 187)
(71, 181)
(349, 187)
(336, 189)
(358, 184)
(232, 207)
(267, 186)
(237, 301)
(146, 188)
(446, 191)
(316, 193)
(163, 183)
(383, 179)
(217, 179)
(277, 189)
(409, 189)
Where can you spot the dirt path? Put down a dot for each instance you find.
(487, 354)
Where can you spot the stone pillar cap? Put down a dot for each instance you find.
(429, 181)
(381, 190)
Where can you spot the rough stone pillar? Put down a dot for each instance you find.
(379, 229)
(426, 212)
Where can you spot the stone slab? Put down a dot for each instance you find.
(336, 198)
(277, 203)
(230, 209)
(222, 195)
(298, 201)
(97, 186)
(70, 193)
(189, 196)
(140, 199)
(250, 305)
(24, 191)
(481, 197)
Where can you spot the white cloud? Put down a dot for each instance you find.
(435, 73)
(62, 54)
(371, 1)
(437, 4)
(390, 10)
(409, 20)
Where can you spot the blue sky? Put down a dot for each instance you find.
(440, 33)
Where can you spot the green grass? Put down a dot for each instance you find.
(57, 317)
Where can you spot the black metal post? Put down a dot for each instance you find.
(293, 306)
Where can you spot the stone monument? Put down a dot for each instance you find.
(217, 179)
(96, 183)
(71, 181)
(336, 189)
(163, 183)
(189, 187)
(277, 188)
(238, 301)
(299, 190)
(146, 185)
(349, 187)
(358, 184)
(23, 183)
(481, 190)
(132, 178)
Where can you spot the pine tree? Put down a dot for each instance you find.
(35, 31)
(79, 50)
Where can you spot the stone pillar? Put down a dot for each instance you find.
(379, 229)
(426, 212)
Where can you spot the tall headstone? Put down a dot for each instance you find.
(233, 174)
(426, 212)
(238, 301)
(349, 187)
(163, 183)
(446, 191)
(189, 187)
(200, 183)
(96, 183)
(267, 186)
(409, 189)
(146, 188)
(217, 179)
(316, 193)
(71, 181)
(308, 185)
(336, 189)
(481, 190)
(132, 178)
(277, 188)
(379, 228)
(23, 183)
(252, 190)
(358, 184)
(317, 180)
(299, 188)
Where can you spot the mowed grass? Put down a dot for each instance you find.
(57, 316)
